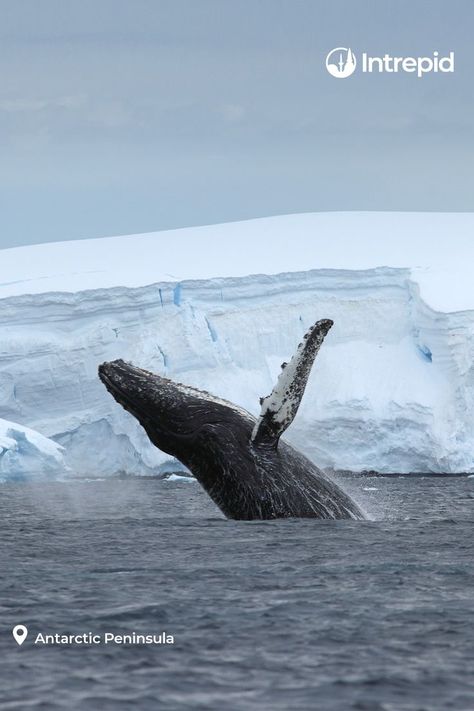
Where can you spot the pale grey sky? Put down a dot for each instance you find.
(121, 116)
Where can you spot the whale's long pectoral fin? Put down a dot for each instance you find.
(280, 407)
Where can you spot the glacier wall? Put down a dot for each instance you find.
(392, 388)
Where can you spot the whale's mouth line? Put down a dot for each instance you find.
(128, 402)
(109, 384)
(115, 390)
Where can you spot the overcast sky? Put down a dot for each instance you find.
(122, 116)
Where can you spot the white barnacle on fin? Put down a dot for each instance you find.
(280, 407)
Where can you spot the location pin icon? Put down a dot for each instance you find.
(20, 633)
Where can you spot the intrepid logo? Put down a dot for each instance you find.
(341, 63)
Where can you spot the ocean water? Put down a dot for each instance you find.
(297, 614)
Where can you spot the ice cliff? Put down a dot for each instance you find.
(221, 307)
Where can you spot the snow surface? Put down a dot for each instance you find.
(392, 388)
(438, 248)
(25, 453)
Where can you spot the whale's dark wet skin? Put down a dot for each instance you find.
(240, 461)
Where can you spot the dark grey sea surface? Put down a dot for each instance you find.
(295, 614)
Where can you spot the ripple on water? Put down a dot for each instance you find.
(271, 615)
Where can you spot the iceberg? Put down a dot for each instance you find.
(221, 307)
(26, 454)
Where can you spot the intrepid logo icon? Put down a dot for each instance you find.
(341, 62)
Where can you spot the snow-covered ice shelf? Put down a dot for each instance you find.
(221, 307)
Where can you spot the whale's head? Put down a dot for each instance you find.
(180, 420)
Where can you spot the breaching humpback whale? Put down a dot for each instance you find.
(248, 471)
